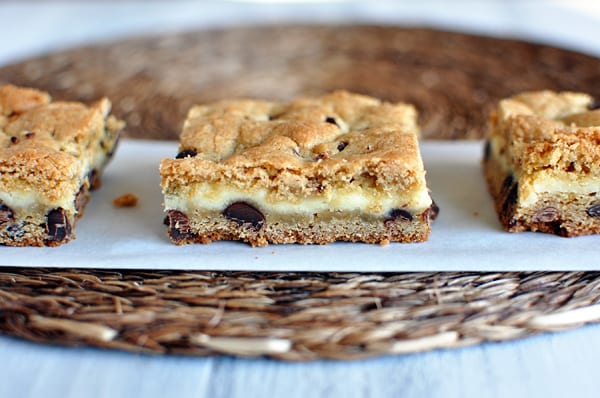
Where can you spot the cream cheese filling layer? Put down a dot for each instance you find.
(216, 197)
(29, 199)
(542, 183)
(545, 181)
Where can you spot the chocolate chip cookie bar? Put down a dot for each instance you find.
(542, 163)
(341, 167)
(51, 155)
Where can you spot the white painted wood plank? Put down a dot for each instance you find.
(553, 365)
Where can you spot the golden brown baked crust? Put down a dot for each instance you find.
(308, 149)
(269, 145)
(547, 129)
(542, 163)
(50, 153)
(15, 100)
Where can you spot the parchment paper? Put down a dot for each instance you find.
(466, 235)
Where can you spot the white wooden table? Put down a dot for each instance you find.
(553, 365)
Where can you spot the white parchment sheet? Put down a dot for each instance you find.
(466, 235)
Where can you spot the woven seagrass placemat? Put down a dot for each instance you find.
(453, 79)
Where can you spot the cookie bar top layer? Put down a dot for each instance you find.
(244, 128)
(47, 148)
(309, 147)
(547, 131)
(16, 100)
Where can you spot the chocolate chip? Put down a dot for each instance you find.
(186, 153)
(593, 210)
(510, 197)
(342, 145)
(331, 120)
(513, 194)
(30, 134)
(511, 222)
(14, 139)
(487, 149)
(400, 214)
(594, 105)
(94, 180)
(510, 193)
(114, 147)
(179, 225)
(507, 184)
(6, 214)
(547, 214)
(244, 214)
(434, 210)
(80, 199)
(57, 225)
(559, 230)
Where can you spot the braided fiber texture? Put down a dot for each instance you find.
(291, 316)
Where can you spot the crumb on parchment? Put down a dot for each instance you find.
(126, 200)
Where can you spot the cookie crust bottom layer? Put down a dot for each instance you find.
(322, 228)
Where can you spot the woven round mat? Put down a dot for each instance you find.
(293, 316)
(452, 78)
